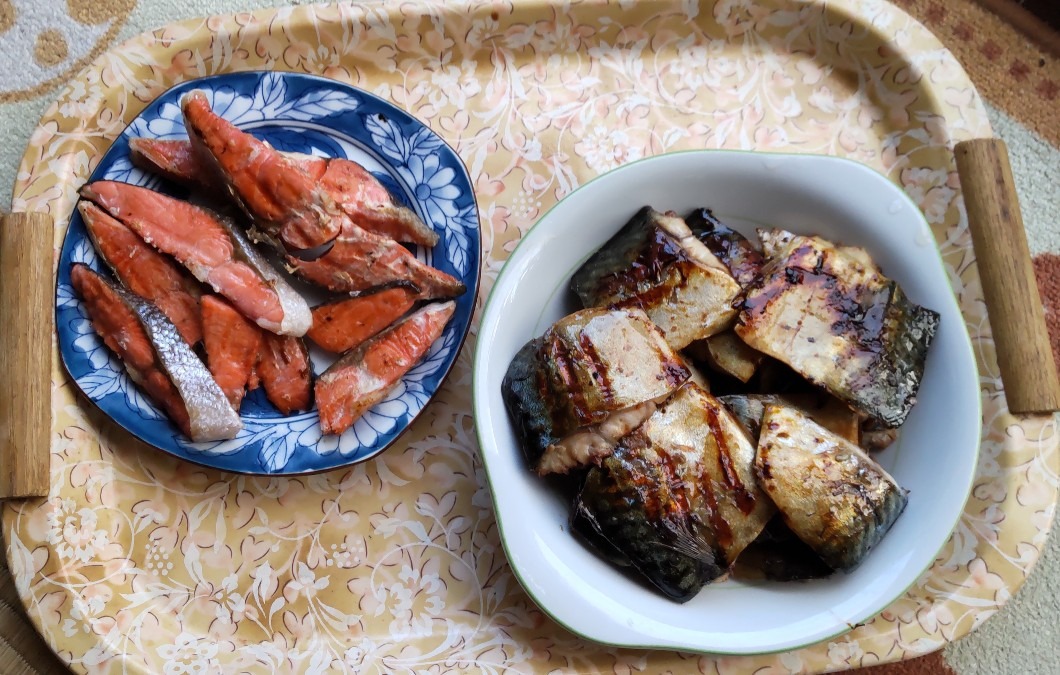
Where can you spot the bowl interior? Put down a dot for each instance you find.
(837, 199)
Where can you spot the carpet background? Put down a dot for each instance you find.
(1017, 70)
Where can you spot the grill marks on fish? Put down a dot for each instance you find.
(834, 318)
(144, 271)
(354, 189)
(156, 358)
(342, 325)
(210, 248)
(655, 263)
(830, 493)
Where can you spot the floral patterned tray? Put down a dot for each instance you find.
(138, 562)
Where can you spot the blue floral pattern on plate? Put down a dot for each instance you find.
(311, 115)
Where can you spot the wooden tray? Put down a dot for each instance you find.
(136, 560)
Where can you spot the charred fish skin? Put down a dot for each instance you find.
(831, 494)
(524, 390)
(733, 249)
(834, 318)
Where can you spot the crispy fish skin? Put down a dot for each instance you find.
(157, 358)
(656, 263)
(835, 319)
(830, 493)
(211, 248)
(733, 249)
(364, 376)
(586, 367)
(144, 271)
(678, 497)
(354, 189)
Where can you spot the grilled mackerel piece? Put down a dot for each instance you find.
(832, 316)
(656, 263)
(830, 493)
(678, 498)
(733, 249)
(590, 379)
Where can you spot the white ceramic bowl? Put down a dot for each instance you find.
(934, 458)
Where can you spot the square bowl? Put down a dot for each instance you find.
(934, 456)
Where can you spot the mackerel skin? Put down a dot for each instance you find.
(733, 249)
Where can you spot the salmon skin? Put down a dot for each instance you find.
(364, 376)
(285, 372)
(233, 347)
(354, 189)
(144, 271)
(211, 248)
(280, 198)
(157, 358)
(342, 325)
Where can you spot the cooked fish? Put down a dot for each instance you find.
(727, 353)
(286, 373)
(678, 497)
(585, 368)
(733, 249)
(233, 346)
(144, 271)
(873, 436)
(211, 248)
(364, 376)
(778, 555)
(823, 408)
(774, 241)
(157, 358)
(656, 263)
(830, 493)
(837, 320)
(280, 198)
(354, 189)
(342, 325)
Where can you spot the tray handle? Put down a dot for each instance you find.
(1013, 304)
(27, 323)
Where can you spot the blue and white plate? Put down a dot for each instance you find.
(312, 115)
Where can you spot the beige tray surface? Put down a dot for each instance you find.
(140, 563)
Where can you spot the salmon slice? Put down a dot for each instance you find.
(354, 188)
(283, 201)
(360, 260)
(144, 271)
(285, 373)
(156, 358)
(233, 347)
(341, 326)
(364, 376)
(211, 249)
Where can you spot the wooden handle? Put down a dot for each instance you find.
(1012, 300)
(27, 322)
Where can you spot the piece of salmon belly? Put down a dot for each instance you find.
(280, 198)
(124, 335)
(173, 159)
(364, 376)
(342, 325)
(233, 347)
(145, 271)
(286, 373)
(209, 248)
(360, 260)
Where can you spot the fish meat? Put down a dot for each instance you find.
(211, 248)
(655, 263)
(832, 315)
(823, 408)
(355, 190)
(829, 492)
(144, 271)
(156, 358)
(874, 437)
(774, 241)
(286, 373)
(678, 497)
(364, 376)
(342, 325)
(281, 199)
(233, 346)
(588, 366)
(733, 249)
(727, 353)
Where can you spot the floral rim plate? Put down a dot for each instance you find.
(312, 115)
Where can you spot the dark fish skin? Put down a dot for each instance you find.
(526, 395)
(829, 492)
(832, 316)
(733, 249)
(778, 555)
(656, 264)
(821, 407)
